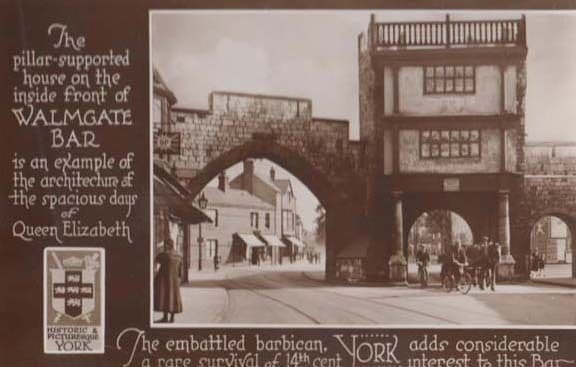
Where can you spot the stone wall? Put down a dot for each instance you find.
(550, 158)
(366, 95)
(236, 120)
(548, 188)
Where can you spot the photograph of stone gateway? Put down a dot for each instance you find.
(364, 168)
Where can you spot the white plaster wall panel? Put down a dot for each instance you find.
(413, 101)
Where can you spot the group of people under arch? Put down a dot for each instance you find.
(480, 260)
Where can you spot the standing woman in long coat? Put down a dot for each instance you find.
(167, 298)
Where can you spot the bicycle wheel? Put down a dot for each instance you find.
(465, 283)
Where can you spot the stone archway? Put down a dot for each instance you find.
(335, 194)
(547, 241)
(436, 230)
(477, 209)
(327, 190)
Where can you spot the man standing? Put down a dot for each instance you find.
(457, 259)
(422, 259)
(481, 263)
(167, 298)
(493, 258)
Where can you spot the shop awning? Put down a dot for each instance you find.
(251, 240)
(166, 196)
(295, 241)
(272, 240)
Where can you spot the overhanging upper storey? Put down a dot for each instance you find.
(407, 41)
(444, 97)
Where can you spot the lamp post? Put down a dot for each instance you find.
(202, 204)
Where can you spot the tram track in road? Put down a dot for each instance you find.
(380, 303)
(264, 283)
(348, 311)
(238, 285)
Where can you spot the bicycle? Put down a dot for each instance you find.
(464, 283)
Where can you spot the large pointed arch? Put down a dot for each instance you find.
(317, 181)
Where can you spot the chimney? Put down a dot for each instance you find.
(249, 167)
(247, 176)
(272, 173)
(223, 182)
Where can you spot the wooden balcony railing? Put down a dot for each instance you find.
(448, 33)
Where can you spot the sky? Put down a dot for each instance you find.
(312, 54)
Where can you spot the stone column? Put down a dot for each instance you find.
(506, 266)
(331, 239)
(186, 253)
(397, 262)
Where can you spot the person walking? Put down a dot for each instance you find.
(493, 259)
(167, 297)
(216, 262)
(481, 263)
(453, 261)
(422, 259)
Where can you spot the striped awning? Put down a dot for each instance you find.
(295, 241)
(251, 240)
(273, 241)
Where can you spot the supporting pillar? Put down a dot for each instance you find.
(331, 239)
(506, 266)
(397, 262)
(200, 241)
(186, 253)
(573, 262)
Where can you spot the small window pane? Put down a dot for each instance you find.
(445, 149)
(449, 71)
(439, 71)
(474, 149)
(459, 71)
(469, 85)
(425, 135)
(454, 149)
(429, 71)
(474, 135)
(454, 135)
(464, 150)
(445, 135)
(469, 71)
(459, 85)
(449, 85)
(429, 85)
(434, 150)
(465, 135)
(435, 135)
(425, 150)
(439, 85)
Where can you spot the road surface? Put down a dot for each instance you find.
(296, 295)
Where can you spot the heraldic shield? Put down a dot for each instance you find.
(73, 292)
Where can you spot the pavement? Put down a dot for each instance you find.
(296, 294)
(562, 282)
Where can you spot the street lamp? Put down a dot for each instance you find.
(202, 204)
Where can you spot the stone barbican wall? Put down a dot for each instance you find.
(235, 119)
(548, 188)
(550, 180)
(551, 159)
